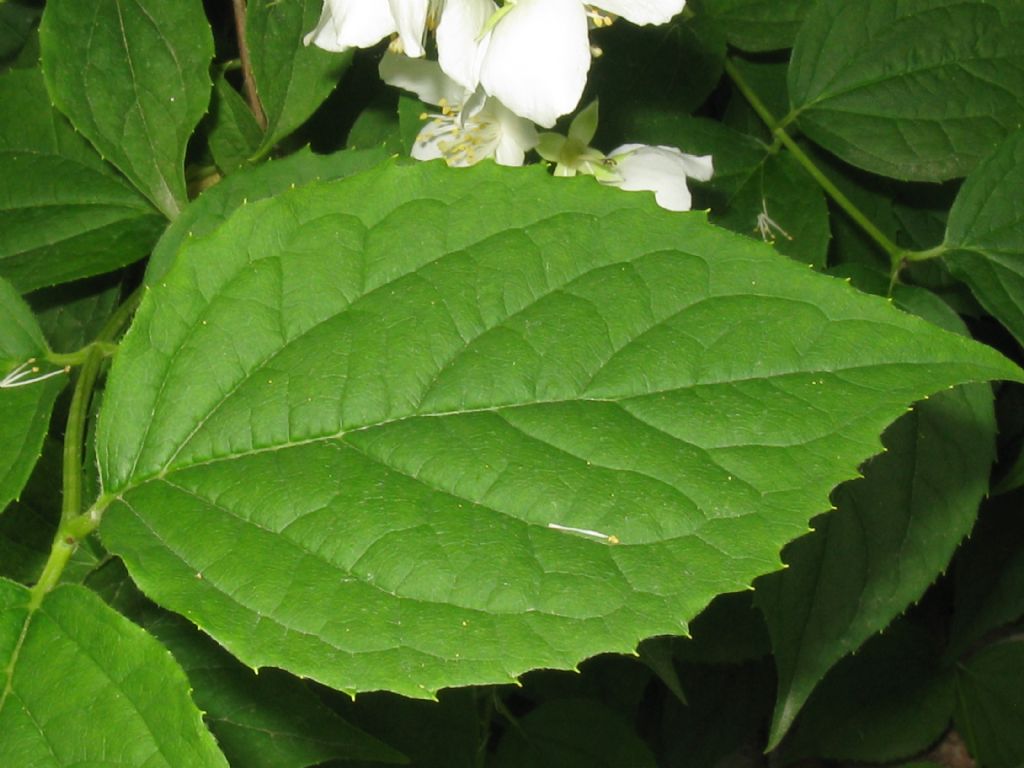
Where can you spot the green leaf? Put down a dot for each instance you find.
(990, 705)
(572, 733)
(989, 576)
(447, 733)
(85, 686)
(214, 206)
(985, 234)
(392, 398)
(916, 90)
(890, 701)
(64, 213)
(131, 75)
(724, 720)
(60, 221)
(17, 20)
(271, 719)
(757, 26)
(72, 315)
(234, 133)
(29, 122)
(25, 408)
(377, 127)
(892, 534)
(292, 79)
(731, 630)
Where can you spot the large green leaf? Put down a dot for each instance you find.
(85, 686)
(132, 76)
(25, 407)
(914, 90)
(64, 213)
(892, 534)
(985, 234)
(361, 431)
(292, 79)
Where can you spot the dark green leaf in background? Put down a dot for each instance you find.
(985, 234)
(892, 534)
(891, 700)
(17, 20)
(448, 733)
(919, 90)
(723, 722)
(72, 315)
(989, 576)
(234, 133)
(292, 79)
(756, 25)
(990, 704)
(85, 686)
(218, 202)
(24, 410)
(572, 733)
(392, 397)
(132, 76)
(64, 213)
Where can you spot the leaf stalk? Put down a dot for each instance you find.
(897, 256)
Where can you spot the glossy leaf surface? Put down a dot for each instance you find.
(422, 447)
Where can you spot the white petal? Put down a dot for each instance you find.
(458, 47)
(516, 136)
(411, 19)
(642, 11)
(537, 58)
(348, 24)
(426, 145)
(422, 77)
(662, 170)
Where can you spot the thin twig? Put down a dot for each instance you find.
(248, 79)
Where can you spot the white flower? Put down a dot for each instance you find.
(348, 24)
(536, 53)
(470, 126)
(662, 170)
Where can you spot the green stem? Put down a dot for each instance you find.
(74, 435)
(896, 254)
(79, 356)
(74, 526)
